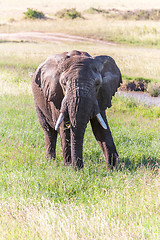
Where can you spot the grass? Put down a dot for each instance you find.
(45, 200)
(131, 32)
(29, 54)
(140, 14)
(110, 217)
(134, 33)
(8, 7)
(42, 199)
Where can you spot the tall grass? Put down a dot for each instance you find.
(143, 33)
(133, 62)
(45, 200)
(8, 7)
(42, 199)
(127, 209)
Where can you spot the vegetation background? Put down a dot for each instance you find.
(42, 199)
(11, 8)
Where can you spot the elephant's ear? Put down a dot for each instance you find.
(111, 80)
(47, 77)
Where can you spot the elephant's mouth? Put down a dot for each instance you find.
(78, 107)
(98, 116)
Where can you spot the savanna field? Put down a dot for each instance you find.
(42, 199)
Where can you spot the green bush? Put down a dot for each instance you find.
(153, 89)
(68, 13)
(33, 14)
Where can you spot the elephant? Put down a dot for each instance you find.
(71, 89)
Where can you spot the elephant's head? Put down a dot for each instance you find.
(81, 88)
(88, 83)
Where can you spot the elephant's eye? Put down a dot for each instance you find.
(94, 69)
(97, 83)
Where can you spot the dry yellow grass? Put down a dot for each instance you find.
(7, 88)
(14, 8)
(135, 62)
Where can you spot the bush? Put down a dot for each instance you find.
(137, 85)
(153, 89)
(68, 13)
(95, 10)
(33, 14)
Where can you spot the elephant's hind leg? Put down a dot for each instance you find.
(50, 135)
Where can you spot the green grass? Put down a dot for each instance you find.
(42, 199)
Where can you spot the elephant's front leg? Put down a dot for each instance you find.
(50, 142)
(105, 140)
(50, 134)
(65, 142)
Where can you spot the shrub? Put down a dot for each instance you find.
(11, 20)
(139, 14)
(68, 13)
(153, 89)
(137, 85)
(95, 10)
(33, 14)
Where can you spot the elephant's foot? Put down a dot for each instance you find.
(50, 152)
(113, 160)
(67, 161)
(50, 155)
(77, 164)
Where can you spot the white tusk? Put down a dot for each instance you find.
(101, 121)
(59, 121)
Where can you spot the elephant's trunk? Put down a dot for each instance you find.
(77, 136)
(79, 111)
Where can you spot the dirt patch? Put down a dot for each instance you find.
(141, 97)
(49, 37)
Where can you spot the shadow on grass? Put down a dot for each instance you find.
(96, 160)
(149, 163)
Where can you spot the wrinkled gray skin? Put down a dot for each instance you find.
(80, 87)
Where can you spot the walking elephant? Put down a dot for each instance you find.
(71, 89)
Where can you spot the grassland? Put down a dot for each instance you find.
(133, 62)
(134, 33)
(11, 8)
(42, 199)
